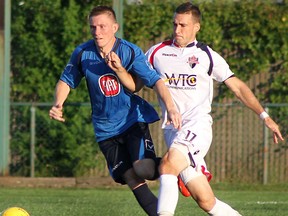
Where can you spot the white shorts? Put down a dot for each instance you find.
(193, 140)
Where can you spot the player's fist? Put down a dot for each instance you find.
(114, 62)
(56, 112)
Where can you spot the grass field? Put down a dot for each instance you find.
(248, 200)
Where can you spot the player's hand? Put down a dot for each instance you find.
(274, 127)
(114, 62)
(56, 112)
(174, 117)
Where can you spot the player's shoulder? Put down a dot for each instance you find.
(162, 44)
(87, 44)
(129, 45)
(127, 48)
(204, 47)
(155, 48)
(84, 46)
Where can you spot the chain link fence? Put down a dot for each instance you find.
(242, 148)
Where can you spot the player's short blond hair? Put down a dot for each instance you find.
(102, 10)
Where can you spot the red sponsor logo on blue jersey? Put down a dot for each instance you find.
(109, 85)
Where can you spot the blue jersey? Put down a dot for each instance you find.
(114, 109)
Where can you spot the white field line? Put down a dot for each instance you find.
(268, 202)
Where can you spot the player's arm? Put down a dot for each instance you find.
(61, 93)
(132, 83)
(246, 96)
(174, 116)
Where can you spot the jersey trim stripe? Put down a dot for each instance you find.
(163, 44)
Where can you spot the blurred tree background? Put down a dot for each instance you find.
(250, 35)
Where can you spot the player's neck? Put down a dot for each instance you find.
(105, 50)
(184, 45)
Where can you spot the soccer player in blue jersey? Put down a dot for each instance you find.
(114, 69)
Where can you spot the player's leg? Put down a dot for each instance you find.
(202, 193)
(148, 168)
(146, 199)
(197, 183)
(196, 177)
(169, 136)
(222, 209)
(142, 152)
(121, 170)
(182, 185)
(191, 147)
(172, 163)
(199, 189)
(139, 144)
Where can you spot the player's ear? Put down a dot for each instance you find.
(115, 27)
(197, 27)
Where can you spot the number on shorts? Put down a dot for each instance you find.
(190, 136)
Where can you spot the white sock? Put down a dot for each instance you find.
(222, 209)
(168, 195)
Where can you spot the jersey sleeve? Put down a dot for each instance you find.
(142, 68)
(221, 70)
(72, 74)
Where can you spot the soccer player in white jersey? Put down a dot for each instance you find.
(188, 71)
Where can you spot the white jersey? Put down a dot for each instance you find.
(185, 73)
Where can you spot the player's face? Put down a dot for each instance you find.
(103, 28)
(185, 29)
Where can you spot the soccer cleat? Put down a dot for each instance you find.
(182, 188)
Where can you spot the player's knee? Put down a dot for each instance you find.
(167, 167)
(132, 179)
(156, 174)
(173, 162)
(144, 168)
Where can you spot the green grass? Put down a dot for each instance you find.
(248, 200)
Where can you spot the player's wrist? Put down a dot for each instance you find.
(120, 69)
(263, 115)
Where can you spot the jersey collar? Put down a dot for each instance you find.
(189, 45)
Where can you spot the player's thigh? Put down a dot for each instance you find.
(139, 142)
(175, 160)
(193, 140)
(145, 168)
(141, 149)
(117, 158)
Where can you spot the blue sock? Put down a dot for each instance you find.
(146, 199)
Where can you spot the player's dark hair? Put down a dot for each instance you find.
(102, 10)
(188, 7)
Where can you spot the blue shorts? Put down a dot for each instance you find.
(122, 150)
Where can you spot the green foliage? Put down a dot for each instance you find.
(251, 35)
(146, 23)
(44, 34)
(33, 49)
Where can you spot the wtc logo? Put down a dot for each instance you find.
(109, 85)
(181, 80)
